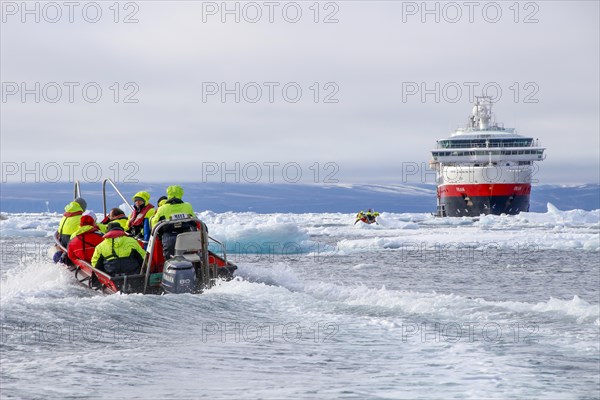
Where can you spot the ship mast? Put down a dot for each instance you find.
(481, 116)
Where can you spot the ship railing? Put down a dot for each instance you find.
(471, 145)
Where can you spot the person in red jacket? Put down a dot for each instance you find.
(85, 239)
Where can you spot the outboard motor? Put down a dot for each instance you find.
(179, 276)
(179, 272)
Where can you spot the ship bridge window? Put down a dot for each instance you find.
(475, 143)
(510, 142)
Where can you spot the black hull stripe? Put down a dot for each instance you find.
(475, 206)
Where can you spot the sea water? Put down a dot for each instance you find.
(414, 307)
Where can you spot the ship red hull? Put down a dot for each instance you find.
(475, 199)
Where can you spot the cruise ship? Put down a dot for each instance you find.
(484, 168)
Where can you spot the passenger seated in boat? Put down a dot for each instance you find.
(359, 216)
(115, 215)
(173, 208)
(161, 201)
(138, 224)
(68, 225)
(85, 239)
(118, 253)
(371, 215)
(70, 220)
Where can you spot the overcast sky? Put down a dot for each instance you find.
(360, 116)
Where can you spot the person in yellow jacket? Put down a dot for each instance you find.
(161, 201)
(67, 226)
(70, 220)
(371, 216)
(359, 216)
(138, 224)
(172, 209)
(118, 253)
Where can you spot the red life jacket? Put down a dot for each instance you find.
(82, 246)
(72, 214)
(114, 234)
(137, 217)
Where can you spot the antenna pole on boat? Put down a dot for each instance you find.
(76, 190)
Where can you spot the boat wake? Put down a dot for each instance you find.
(35, 280)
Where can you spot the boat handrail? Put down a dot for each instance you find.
(116, 190)
(147, 264)
(221, 246)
